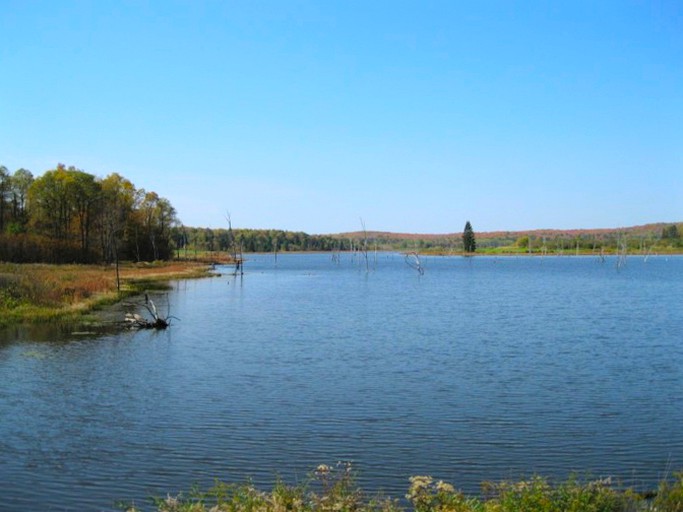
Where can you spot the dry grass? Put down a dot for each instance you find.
(40, 292)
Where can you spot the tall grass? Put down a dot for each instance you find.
(333, 489)
(42, 292)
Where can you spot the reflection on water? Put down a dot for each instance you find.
(482, 368)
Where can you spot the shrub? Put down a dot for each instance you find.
(669, 496)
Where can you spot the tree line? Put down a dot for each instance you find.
(189, 240)
(70, 216)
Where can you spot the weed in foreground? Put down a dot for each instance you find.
(538, 495)
(334, 489)
(669, 497)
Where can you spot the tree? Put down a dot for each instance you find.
(158, 218)
(671, 236)
(64, 202)
(118, 200)
(468, 239)
(85, 194)
(48, 199)
(21, 181)
(523, 242)
(4, 193)
(671, 232)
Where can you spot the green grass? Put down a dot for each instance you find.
(333, 489)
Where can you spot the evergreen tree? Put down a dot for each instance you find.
(468, 240)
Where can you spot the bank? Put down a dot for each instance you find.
(31, 293)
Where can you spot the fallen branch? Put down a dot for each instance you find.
(137, 321)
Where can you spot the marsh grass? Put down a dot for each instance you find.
(43, 293)
(333, 489)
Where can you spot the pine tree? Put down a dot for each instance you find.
(468, 240)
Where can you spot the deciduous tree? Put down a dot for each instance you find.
(20, 183)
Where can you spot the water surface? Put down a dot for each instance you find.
(482, 368)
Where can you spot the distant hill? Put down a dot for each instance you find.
(642, 238)
(639, 231)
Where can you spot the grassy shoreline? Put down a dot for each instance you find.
(34, 293)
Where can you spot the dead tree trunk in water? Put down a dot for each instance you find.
(622, 251)
(232, 244)
(413, 261)
(364, 247)
(158, 322)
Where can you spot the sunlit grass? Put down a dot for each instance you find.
(41, 292)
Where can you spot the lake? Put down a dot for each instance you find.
(483, 368)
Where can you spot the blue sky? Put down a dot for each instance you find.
(308, 115)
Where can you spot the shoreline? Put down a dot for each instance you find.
(54, 293)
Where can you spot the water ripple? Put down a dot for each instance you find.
(475, 371)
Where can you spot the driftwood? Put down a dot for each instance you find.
(137, 321)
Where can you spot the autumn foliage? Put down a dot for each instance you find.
(70, 216)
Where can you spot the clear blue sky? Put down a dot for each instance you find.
(307, 115)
